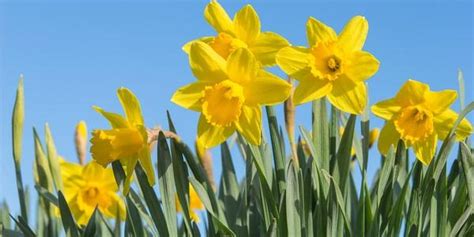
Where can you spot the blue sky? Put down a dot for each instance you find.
(75, 55)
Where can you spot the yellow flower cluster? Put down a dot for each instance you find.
(232, 83)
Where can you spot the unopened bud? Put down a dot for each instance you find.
(80, 139)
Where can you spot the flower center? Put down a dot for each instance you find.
(414, 123)
(91, 195)
(327, 63)
(224, 44)
(222, 103)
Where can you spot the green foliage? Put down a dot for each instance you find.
(318, 196)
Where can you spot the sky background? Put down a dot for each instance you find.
(75, 55)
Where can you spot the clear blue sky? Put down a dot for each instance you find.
(75, 55)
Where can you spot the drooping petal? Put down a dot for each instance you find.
(242, 66)
(266, 47)
(412, 93)
(353, 35)
(425, 149)
(317, 31)
(189, 96)
(444, 122)
(131, 106)
(386, 109)
(348, 96)
(187, 47)
(247, 24)
(250, 124)
(294, 61)
(117, 209)
(210, 135)
(128, 164)
(310, 89)
(439, 101)
(205, 63)
(266, 89)
(145, 161)
(218, 18)
(388, 137)
(115, 120)
(363, 65)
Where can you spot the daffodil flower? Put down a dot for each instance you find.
(195, 204)
(127, 141)
(241, 32)
(420, 118)
(90, 186)
(229, 94)
(333, 65)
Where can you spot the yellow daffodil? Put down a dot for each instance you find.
(241, 32)
(229, 94)
(195, 204)
(90, 186)
(334, 65)
(420, 118)
(127, 141)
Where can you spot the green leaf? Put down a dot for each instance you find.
(151, 200)
(69, 224)
(133, 218)
(47, 195)
(23, 226)
(320, 133)
(167, 184)
(461, 222)
(93, 226)
(293, 202)
(278, 153)
(344, 152)
(206, 200)
(468, 169)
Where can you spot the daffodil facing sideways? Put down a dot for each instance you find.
(333, 65)
(127, 141)
(420, 118)
(195, 204)
(241, 32)
(229, 94)
(90, 186)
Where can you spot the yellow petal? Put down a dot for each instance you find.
(250, 124)
(425, 149)
(129, 164)
(294, 61)
(93, 170)
(187, 47)
(266, 47)
(388, 137)
(266, 89)
(348, 96)
(311, 89)
(363, 65)
(354, 33)
(145, 161)
(210, 135)
(116, 209)
(217, 17)
(444, 123)
(194, 200)
(439, 101)
(205, 63)
(386, 109)
(247, 24)
(412, 93)
(317, 31)
(115, 120)
(131, 106)
(242, 66)
(189, 96)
